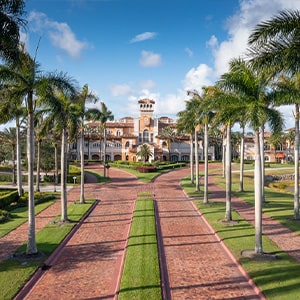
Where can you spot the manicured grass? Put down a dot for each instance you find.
(141, 275)
(279, 205)
(278, 279)
(144, 177)
(20, 216)
(15, 272)
(100, 178)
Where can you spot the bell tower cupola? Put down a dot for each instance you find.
(146, 107)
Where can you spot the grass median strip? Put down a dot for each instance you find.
(16, 271)
(20, 216)
(141, 274)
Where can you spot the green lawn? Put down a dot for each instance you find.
(15, 272)
(141, 275)
(278, 279)
(20, 216)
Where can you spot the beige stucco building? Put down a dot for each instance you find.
(124, 138)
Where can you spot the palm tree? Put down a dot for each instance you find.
(84, 96)
(275, 42)
(185, 123)
(12, 108)
(204, 117)
(287, 91)
(193, 107)
(103, 115)
(250, 88)
(28, 82)
(8, 137)
(144, 153)
(63, 118)
(170, 136)
(11, 20)
(289, 137)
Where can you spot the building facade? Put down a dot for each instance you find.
(125, 137)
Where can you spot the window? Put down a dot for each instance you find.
(127, 144)
(146, 136)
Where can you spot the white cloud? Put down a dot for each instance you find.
(150, 59)
(241, 24)
(143, 36)
(120, 89)
(198, 77)
(189, 52)
(60, 34)
(147, 84)
(213, 42)
(171, 104)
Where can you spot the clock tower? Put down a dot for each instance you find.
(146, 111)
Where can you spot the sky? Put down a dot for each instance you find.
(126, 50)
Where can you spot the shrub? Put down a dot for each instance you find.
(9, 197)
(4, 216)
(146, 169)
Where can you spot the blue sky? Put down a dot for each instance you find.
(126, 50)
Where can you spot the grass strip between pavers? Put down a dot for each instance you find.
(20, 216)
(15, 272)
(141, 274)
(278, 279)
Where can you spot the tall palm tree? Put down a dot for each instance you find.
(225, 105)
(287, 91)
(8, 137)
(250, 88)
(204, 117)
(28, 82)
(185, 123)
(84, 97)
(63, 117)
(12, 108)
(11, 12)
(103, 115)
(193, 106)
(275, 42)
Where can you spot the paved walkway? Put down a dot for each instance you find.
(195, 263)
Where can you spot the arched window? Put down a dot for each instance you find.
(127, 144)
(146, 136)
(118, 133)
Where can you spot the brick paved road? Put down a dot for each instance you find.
(197, 266)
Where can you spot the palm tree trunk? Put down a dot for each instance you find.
(258, 196)
(63, 179)
(196, 160)
(38, 164)
(13, 155)
(31, 245)
(82, 165)
(242, 151)
(224, 152)
(19, 163)
(262, 157)
(104, 150)
(192, 158)
(56, 164)
(296, 158)
(205, 199)
(228, 215)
